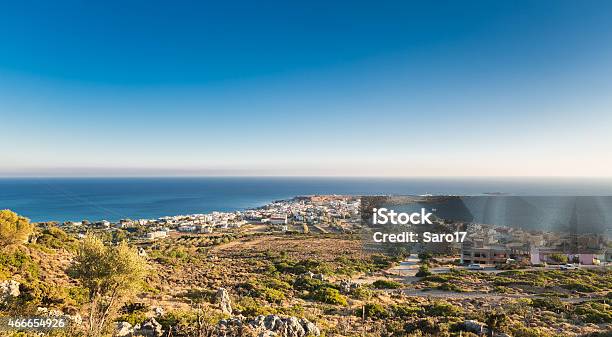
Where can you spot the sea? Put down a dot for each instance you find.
(76, 199)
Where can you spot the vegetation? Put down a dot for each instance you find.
(330, 296)
(322, 277)
(386, 284)
(14, 229)
(559, 258)
(423, 271)
(111, 275)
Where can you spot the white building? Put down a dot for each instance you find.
(157, 235)
(278, 219)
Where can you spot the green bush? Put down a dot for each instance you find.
(330, 296)
(551, 304)
(405, 310)
(250, 307)
(19, 262)
(386, 284)
(423, 271)
(523, 331)
(361, 293)
(136, 317)
(579, 286)
(373, 310)
(451, 287)
(593, 312)
(442, 308)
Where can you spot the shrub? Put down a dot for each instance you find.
(19, 262)
(579, 286)
(14, 229)
(136, 317)
(450, 287)
(551, 304)
(386, 284)
(423, 271)
(594, 312)
(330, 296)
(425, 256)
(405, 310)
(523, 331)
(559, 258)
(427, 326)
(250, 307)
(442, 308)
(309, 284)
(373, 310)
(361, 293)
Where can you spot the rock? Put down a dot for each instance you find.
(473, 326)
(273, 325)
(159, 311)
(310, 328)
(150, 328)
(272, 322)
(224, 301)
(319, 277)
(8, 289)
(346, 286)
(142, 252)
(231, 327)
(123, 329)
(291, 327)
(308, 274)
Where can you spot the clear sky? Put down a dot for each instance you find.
(384, 88)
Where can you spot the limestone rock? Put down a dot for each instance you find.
(473, 326)
(310, 328)
(271, 325)
(320, 277)
(142, 252)
(159, 311)
(150, 328)
(123, 329)
(8, 289)
(224, 301)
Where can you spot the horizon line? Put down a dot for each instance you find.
(303, 176)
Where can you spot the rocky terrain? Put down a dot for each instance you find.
(297, 285)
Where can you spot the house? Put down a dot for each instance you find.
(540, 255)
(157, 235)
(486, 254)
(278, 219)
(186, 228)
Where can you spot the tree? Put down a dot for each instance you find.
(559, 258)
(425, 256)
(111, 274)
(14, 229)
(423, 271)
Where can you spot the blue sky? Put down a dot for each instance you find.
(392, 88)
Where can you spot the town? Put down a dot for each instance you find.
(484, 244)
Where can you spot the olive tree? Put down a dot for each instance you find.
(111, 274)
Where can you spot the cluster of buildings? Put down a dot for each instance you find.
(309, 210)
(278, 215)
(500, 244)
